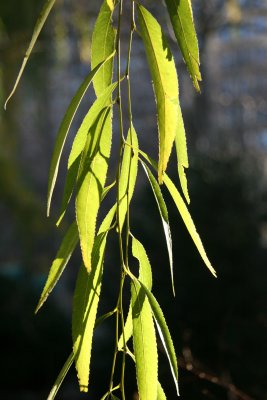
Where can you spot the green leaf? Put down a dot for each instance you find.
(85, 304)
(79, 143)
(182, 157)
(164, 215)
(144, 343)
(128, 174)
(181, 206)
(36, 31)
(91, 181)
(61, 377)
(107, 189)
(181, 16)
(161, 394)
(103, 44)
(64, 130)
(164, 334)
(165, 82)
(63, 255)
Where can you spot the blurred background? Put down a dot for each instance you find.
(219, 326)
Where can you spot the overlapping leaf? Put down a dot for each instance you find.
(163, 213)
(103, 44)
(36, 31)
(165, 83)
(79, 143)
(128, 174)
(91, 181)
(63, 255)
(64, 130)
(144, 343)
(181, 16)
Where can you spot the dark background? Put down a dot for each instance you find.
(219, 326)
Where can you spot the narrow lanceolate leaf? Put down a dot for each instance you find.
(163, 213)
(181, 16)
(144, 343)
(91, 181)
(128, 174)
(181, 206)
(64, 130)
(165, 83)
(64, 253)
(36, 31)
(164, 334)
(161, 394)
(181, 151)
(79, 143)
(103, 44)
(61, 377)
(86, 298)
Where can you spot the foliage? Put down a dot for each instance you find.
(86, 180)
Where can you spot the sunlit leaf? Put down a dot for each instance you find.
(163, 213)
(181, 16)
(161, 394)
(128, 174)
(164, 334)
(64, 130)
(61, 377)
(181, 206)
(36, 31)
(165, 83)
(63, 255)
(144, 343)
(79, 143)
(91, 181)
(182, 157)
(103, 44)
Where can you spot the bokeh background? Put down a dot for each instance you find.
(219, 326)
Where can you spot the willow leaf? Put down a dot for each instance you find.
(91, 181)
(181, 16)
(61, 377)
(63, 255)
(36, 31)
(144, 343)
(164, 215)
(164, 334)
(165, 82)
(64, 130)
(103, 44)
(79, 143)
(181, 206)
(161, 394)
(128, 174)
(182, 157)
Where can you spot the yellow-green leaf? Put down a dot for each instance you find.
(144, 343)
(182, 157)
(161, 394)
(64, 130)
(181, 206)
(165, 83)
(103, 44)
(63, 255)
(91, 181)
(164, 333)
(181, 16)
(79, 143)
(128, 174)
(36, 31)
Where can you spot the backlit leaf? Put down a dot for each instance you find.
(144, 343)
(79, 143)
(128, 174)
(161, 394)
(63, 255)
(181, 206)
(64, 130)
(165, 83)
(163, 213)
(61, 376)
(91, 181)
(36, 31)
(164, 334)
(103, 44)
(181, 16)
